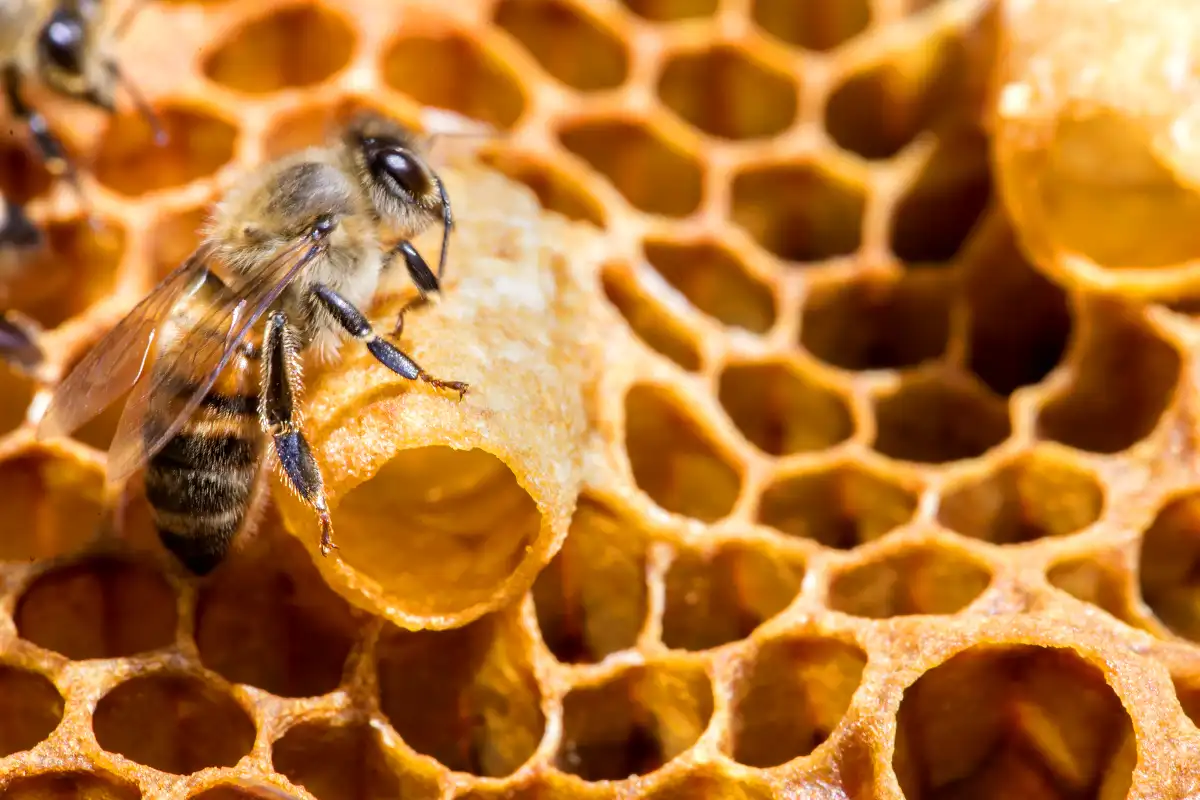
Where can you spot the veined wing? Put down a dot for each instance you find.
(115, 363)
(204, 348)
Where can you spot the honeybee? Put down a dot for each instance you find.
(68, 45)
(213, 352)
(19, 237)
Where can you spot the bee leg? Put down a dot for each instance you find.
(421, 275)
(51, 150)
(280, 381)
(355, 323)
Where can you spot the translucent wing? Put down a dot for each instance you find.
(197, 357)
(115, 363)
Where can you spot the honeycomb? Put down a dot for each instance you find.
(796, 463)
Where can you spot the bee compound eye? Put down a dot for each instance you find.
(404, 170)
(61, 41)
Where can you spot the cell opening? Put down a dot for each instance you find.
(128, 161)
(53, 507)
(346, 762)
(671, 10)
(714, 598)
(16, 393)
(715, 281)
(173, 723)
(103, 607)
(1098, 579)
(464, 523)
(93, 785)
(1096, 413)
(260, 57)
(1169, 566)
(941, 210)
(635, 722)
(592, 599)
(927, 579)
(466, 697)
(451, 71)
(702, 783)
(790, 699)
(800, 213)
(932, 419)
(673, 459)
(885, 322)
(75, 267)
(270, 621)
(652, 174)
(1036, 496)
(30, 709)
(841, 507)
(652, 323)
(781, 410)
(573, 47)
(556, 190)
(1013, 721)
(819, 25)
(724, 91)
(1019, 321)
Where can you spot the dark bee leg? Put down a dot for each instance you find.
(421, 275)
(355, 323)
(280, 376)
(49, 147)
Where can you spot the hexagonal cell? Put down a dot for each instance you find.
(592, 599)
(1019, 721)
(129, 162)
(173, 723)
(260, 56)
(450, 70)
(877, 112)
(670, 10)
(710, 783)
(654, 175)
(653, 324)
(727, 92)
(935, 419)
(841, 507)
(943, 206)
(270, 621)
(873, 322)
(799, 212)
(926, 579)
(52, 507)
(30, 709)
(91, 785)
(555, 189)
(466, 697)
(1040, 494)
(16, 393)
(818, 25)
(1102, 415)
(1019, 322)
(673, 459)
(175, 236)
(781, 410)
(714, 598)
(1100, 579)
(569, 43)
(104, 607)
(346, 762)
(714, 280)
(76, 267)
(791, 697)
(1167, 571)
(634, 722)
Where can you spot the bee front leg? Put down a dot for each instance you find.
(355, 323)
(50, 149)
(280, 382)
(421, 275)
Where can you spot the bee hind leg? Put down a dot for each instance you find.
(421, 275)
(355, 323)
(280, 381)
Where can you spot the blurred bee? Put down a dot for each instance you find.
(19, 237)
(68, 45)
(289, 256)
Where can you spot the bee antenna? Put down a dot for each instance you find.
(123, 24)
(143, 107)
(447, 226)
